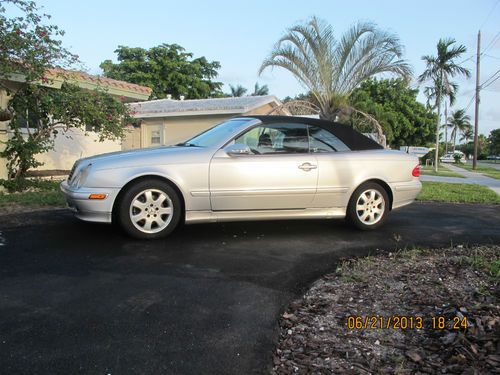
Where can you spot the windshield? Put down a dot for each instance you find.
(215, 135)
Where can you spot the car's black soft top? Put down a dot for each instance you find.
(352, 138)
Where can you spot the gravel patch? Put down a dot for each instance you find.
(410, 312)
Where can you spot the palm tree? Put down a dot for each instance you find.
(260, 90)
(332, 69)
(450, 95)
(237, 90)
(439, 70)
(460, 123)
(467, 135)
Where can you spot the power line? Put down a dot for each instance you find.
(493, 41)
(484, 85)
(470, 102)
(491, 77)
(490, 83)
(467, 59)
(493, 57)
(489, 14)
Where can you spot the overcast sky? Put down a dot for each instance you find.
(240, 34)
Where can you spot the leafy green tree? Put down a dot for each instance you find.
(260, 90)
(27, 44)
(28, 48)
(494, 142)
(41, 113)
(404, 120)
(237, 91)
(439, 70)
(331, 69)
(482, 147)
(166, 69)
(459, 122)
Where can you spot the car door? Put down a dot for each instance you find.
(337, 170)
(279, 173)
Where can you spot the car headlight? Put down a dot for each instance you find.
(80, 176)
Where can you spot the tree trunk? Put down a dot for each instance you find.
(446, 126)
(329, 114)
(436, 157)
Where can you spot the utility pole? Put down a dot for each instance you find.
(478, 89)
(446, 127)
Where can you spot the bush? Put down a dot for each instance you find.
(457, 158)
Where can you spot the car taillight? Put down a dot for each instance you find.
(416, 171)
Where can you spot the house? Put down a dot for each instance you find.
(74, 144)
(168, 121)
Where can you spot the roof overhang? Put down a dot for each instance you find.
(190, 113)
(56, 79)
(271, 100)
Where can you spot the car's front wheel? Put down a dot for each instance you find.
(368, 206)
(149, 209)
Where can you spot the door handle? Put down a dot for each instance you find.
(307, 167)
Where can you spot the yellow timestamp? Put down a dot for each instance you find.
(404, 322)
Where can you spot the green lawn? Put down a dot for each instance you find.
(442, 171)
(34, 198)
(487, 171)
(41, 193)
(457, 193)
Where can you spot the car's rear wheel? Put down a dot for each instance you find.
(368, 206)
(149, 209)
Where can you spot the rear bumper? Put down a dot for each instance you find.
(405, 192)
(87, 209)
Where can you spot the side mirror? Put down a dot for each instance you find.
(237, 149)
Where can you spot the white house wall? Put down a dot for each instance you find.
(74, 145)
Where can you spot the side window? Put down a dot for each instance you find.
(276, 139)
(321, 140)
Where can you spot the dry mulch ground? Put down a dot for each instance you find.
(341, 325)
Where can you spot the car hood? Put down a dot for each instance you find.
(146, 156)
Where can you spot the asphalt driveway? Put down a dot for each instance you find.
(77, 297)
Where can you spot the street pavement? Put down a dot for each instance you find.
(77, 297)
(469, 178)
(490, 165)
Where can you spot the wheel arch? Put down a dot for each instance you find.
(137, 179)
(382, 183)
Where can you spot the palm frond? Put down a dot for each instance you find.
(366, 51)
(330, 69)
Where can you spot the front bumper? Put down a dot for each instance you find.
(88, 209)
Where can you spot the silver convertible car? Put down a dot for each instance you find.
(247, 168)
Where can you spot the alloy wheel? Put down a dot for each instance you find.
(151, 211)
(370, 207)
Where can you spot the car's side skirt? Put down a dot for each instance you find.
(193, 217)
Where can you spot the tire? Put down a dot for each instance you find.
(149, 209)
(368, 207)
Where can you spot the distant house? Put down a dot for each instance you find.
(73, 144)
(168, 121)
